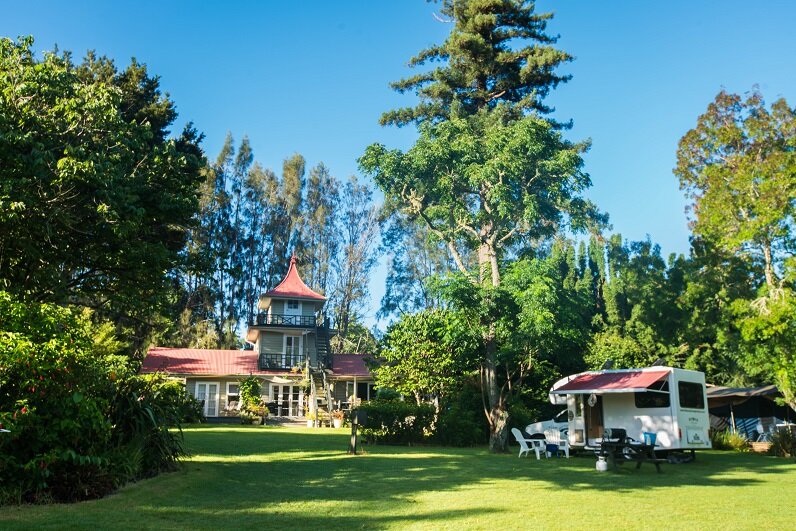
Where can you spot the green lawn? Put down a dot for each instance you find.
(246, 477)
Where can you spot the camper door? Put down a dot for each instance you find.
(577, 422)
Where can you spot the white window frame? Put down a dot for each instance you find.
(295, 352)
(207, 389)
(234, 394)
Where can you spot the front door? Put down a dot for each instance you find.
(207, 393)
(594, 417)
(576, 420)
(288, 400)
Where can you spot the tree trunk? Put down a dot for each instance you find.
(497, 414)
(769, 268)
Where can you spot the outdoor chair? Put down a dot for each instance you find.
(553, 437)
(526, 445)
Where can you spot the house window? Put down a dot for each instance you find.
(292, 305)
(233, 392)
(365, 391)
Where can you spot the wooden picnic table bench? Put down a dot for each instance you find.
(617, 452)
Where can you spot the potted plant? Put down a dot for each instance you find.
(312, 416)
(337, 418)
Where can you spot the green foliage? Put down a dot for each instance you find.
(396, 422)
(783, 443)
(496, 54)
(768, 333)
(81, 422)
(387, 395)
(729, 440)
(142, 414)
(251, 401)
(93, 198)
(460, 426)
(528, 178)
(738, 166)
(425, 354)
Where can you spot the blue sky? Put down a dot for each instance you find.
(312, 77)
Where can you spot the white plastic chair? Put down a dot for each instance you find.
(553, 436)
(537, 445)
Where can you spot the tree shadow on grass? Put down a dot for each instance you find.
(286, 475)
(297, 478)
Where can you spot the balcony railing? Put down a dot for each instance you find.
(281, 361)
(278, 319)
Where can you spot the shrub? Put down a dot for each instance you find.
(144, 410)
(728, 440)
(81, 421)
(460, 426)
(395, 422)
(783, 443)
(387, 395)
(54, 396)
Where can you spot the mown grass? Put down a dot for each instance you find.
(247, 477)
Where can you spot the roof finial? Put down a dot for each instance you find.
(293, 258)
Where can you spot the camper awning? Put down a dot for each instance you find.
(721, 396)
(610, 382)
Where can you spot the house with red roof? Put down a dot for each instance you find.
(290, 336)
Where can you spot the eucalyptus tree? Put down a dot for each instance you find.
(359, 222)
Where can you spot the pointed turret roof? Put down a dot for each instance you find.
(292, 286)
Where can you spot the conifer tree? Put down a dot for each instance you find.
(498, 53)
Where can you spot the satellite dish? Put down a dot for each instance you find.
(659, 362)
(609, 364)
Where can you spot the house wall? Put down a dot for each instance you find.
(277, 306)
(271, 342)
(309, 346)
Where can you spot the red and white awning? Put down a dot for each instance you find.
(609, 382)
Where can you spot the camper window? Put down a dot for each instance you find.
(652, 399)
(691, 395)
(657, 395)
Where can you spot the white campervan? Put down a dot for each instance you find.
(662, 403)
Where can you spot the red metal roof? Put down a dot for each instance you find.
(349, 365)
(205, 362)
(611, 382)
(293, 286)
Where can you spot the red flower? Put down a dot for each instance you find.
(23, 410)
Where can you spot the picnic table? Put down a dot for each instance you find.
(618, 451)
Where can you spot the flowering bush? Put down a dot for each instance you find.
(80, 421)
